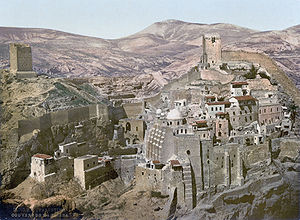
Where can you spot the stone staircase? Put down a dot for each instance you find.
(188, 190)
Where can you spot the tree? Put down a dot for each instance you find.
(293, 110)
(252, 73)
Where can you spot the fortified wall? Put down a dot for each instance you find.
(269, 65)
(63, 117)
(100, 111)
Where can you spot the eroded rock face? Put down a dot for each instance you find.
(272, 192)
(46, 141)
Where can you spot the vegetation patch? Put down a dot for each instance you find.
(158, 195)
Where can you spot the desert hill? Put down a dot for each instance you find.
(168, 48)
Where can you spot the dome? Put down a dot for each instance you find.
(174, 114)
(158, 111)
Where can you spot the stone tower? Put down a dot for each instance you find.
(21, 60)
(211, 55)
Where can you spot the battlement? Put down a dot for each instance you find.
(211, 45)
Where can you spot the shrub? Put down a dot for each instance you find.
(252, 73)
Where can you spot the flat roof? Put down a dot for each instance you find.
(219, 103)
(239, 83)
(245, 98)
(174, 162)
(85, 157)
(42, 156)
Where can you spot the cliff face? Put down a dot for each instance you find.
(31, 98)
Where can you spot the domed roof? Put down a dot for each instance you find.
(174, 114)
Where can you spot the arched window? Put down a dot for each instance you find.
(128, 126)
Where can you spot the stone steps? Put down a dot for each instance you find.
(187, 180)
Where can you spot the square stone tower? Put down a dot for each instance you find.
(21, 60)
(211, 55)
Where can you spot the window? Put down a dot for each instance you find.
(213, 39)
(220, 134)
(216, 108)
(220, 125)
(212, 109)
(128, 126)
(181, 131)
(137, 128)
(204, 135)
(277, 109)
(233, 113)
(94, 162)
(67, 151)
(264, 110)
(259, 111)
(220, 108)
(250, 117)
(241, 112)
(246, 119)
(185, 131)
(271, 109)
(88, 165)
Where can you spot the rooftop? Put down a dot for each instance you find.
(42, 156)
(245, 98)
(174, 114)
(174, 162)
(239, 83)
(85, 157)
(219, 103)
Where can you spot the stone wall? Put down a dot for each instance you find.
(20, 57)
(62, 117)
(133, 110)
(271, 67)
(148, 179)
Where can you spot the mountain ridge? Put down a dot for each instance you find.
(150, 51)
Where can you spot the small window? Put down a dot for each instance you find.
(264, 110)
(220, 134)
(220, 125)
(233, 113)
(212, 109)
(271, 109)
(94, 162)
(220, 108)
(250, 117)
(204, 135)
(216, 108)
(246, 119)
(67, 150)
(213, 39)
(88, 165)
(137, 128)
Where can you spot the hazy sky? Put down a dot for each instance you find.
(119, 18)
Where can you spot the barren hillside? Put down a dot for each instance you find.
(165, 49)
